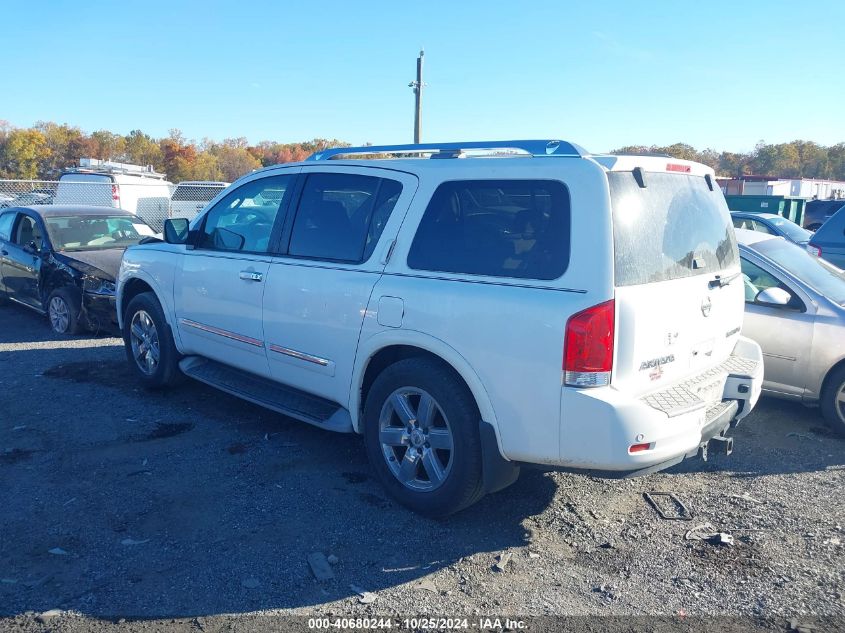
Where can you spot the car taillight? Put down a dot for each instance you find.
(588, 346)
(814, 250)
(115, 193)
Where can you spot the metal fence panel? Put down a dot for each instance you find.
(153, 201)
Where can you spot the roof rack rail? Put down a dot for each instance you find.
(455, 150)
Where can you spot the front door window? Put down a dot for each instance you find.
(243, 221)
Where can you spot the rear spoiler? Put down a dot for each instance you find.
(653, 164)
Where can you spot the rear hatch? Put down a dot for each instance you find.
(87, 188)
(679, 293)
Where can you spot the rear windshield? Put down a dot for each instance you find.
(196, 193)
(674, 227)
(792, 230)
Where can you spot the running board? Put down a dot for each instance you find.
(269, 394)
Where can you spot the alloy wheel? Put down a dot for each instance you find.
(143, 336)
(59, 314)
(416, 439)
(840, 402)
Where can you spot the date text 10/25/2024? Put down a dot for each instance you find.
(418, 623)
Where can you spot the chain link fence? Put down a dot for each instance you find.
(153, 201)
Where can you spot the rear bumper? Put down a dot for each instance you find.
(599, 426)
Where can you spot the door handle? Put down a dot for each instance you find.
(249, 275)
(4, 252)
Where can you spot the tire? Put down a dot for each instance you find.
(150, 350)
(395, 453)
(833, 409)
(64, 311)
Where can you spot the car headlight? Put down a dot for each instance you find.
(98, 286)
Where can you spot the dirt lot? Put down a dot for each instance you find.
(192, 505)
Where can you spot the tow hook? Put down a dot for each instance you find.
(719, 444)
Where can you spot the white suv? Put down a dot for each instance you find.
(515, 302)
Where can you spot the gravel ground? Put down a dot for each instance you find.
(193, 510)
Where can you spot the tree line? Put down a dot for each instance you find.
(44, 150)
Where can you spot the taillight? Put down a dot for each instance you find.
(588, 346)
(814, 250)
(115, 193)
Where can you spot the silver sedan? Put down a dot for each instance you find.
(795, 310)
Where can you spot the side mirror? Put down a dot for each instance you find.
(773, 296)
(176, 231)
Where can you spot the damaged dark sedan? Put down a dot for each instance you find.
(62, 261)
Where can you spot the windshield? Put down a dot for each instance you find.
(821, 276)
(674, 227)
(95, 232)
(791, 230)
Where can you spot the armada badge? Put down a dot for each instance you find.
(705, 306)
(657, 362)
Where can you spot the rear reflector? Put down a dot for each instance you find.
(588, 346)
(684, 169)
(814, 250)
(638, 448)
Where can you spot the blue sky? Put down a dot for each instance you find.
(604, 74)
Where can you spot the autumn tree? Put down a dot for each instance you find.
(142, 149)
(776, 160)
(234, 159)
(178, 156)
(21, 154)
(206, 167)
(66, 144)
(107, 145)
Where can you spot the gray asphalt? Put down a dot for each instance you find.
(117, 502)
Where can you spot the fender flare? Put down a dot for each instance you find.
(141, 275)
(387, 338)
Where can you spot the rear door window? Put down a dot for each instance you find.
(340, 217)
(672, 228)
(497, 228)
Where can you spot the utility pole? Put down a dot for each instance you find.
(418, 89)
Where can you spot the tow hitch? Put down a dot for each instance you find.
(719, 445)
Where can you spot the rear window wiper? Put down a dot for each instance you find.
(720, 281)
